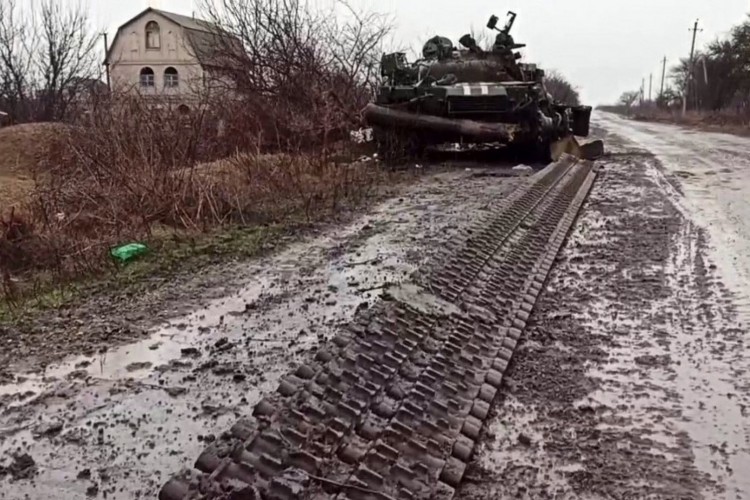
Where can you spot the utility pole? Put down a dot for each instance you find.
(690, 69)
(663, 74)
(643, 91)
(650, 83)
(106, 62)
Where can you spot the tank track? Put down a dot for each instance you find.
(392, 407)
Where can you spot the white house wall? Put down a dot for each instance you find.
(129, 55)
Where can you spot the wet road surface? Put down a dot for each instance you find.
(710, 174)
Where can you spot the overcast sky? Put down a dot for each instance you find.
(604, 46)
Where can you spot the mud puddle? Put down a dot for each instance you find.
(119, 422)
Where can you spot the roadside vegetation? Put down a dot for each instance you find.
(561, 89)
(717, 87)
(267, 148)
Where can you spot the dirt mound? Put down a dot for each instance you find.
(25, 149)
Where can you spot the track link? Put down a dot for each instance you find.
(393, 406)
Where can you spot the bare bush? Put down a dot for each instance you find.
(561, 89)
(627, 99)
(136, 166)
(132, 173)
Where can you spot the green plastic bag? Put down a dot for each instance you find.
(128, 252)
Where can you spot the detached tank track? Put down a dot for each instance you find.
(393, 406)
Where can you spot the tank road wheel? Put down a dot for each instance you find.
(531, 151)
(397, 146)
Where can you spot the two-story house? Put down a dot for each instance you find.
(157, 53)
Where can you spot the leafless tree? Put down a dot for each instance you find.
(628, 99)
(354, 43)
(19, 43)
(301, 73)
(68, 62)
(48, 56)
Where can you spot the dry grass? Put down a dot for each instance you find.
(718, 121)
(23, 148)
(14, 190)
(24, 152)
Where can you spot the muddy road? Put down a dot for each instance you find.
(629, 381)
(710, 173)
(632, 380)
(119, 421)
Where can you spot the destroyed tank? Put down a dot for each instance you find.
(473, 95)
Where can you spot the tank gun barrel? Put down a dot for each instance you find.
(452, 128)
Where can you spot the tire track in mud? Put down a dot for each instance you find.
(394, 406)
(630, 380)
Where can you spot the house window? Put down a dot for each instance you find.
(147, 78)
(171, 78)
(153, 35)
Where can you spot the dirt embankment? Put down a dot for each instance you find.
(23, 151)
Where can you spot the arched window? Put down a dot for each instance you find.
(153, 35)
(147, 77)
(171, 78)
